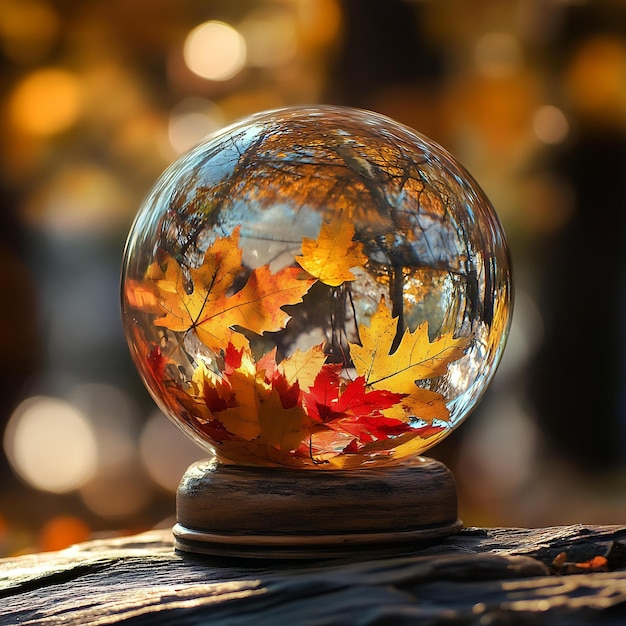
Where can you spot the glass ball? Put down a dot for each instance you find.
(316, 288)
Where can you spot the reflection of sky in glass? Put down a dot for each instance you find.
(217, 166)
(269, 233)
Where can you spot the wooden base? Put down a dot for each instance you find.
(267, 512)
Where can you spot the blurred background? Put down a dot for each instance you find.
(97, 98)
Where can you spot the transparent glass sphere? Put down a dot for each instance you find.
(316, 288)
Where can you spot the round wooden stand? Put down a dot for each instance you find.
(268, 512)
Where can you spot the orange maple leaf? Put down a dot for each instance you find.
(333, 254)
(415, 358)
(205, 306)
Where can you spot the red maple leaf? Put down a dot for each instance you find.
(355, 400)
(367, 428)
(289, 394)
(214, 402)
(232, 358)
(350, 408)
(330, 398)
(319, 400)
(351, 448)
(215, 430)
(156, 363)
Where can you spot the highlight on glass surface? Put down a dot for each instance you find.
(316, 287)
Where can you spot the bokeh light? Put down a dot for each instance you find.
(51, 445)
(46, 102)
(550, 124)
(215, 51)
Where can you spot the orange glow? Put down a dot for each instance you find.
(46, 102)
(596, 79)
(498, 111)
(319, 22)
(63, 531)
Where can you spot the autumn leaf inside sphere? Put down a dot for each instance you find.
(317, 288)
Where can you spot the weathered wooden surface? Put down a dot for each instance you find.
(495, 576)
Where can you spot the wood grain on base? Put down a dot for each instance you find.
(287, 513)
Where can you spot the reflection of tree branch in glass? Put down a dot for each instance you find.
(316, 288)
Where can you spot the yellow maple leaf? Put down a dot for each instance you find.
(303, 366)
(415, 358)
(204, 305)
(333, 254)
(255, 411)
(282, 429)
